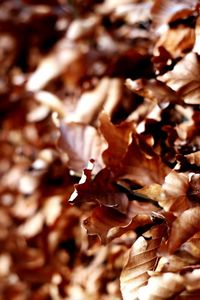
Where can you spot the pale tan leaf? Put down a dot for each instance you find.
(80, 28)
(54, 64)
(162, 286)
(152, 90)
(32, 226)
(109, 5)
(174, 192)
(184, 78)
(90, 103)
(50, 101)
(114, 95)
(193, 158)
(192, 280)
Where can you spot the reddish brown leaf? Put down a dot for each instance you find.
(141, 168)
(102, 220)
(99, 191)
(118, 138)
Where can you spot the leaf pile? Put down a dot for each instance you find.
(100, 150)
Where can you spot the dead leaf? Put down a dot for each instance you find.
(184, 78)
(183, 228)
(142, 258)
(81, 143)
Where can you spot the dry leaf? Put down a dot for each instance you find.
(183, 228)
(142, 258)
(162, 286)
(184, 78)
(81, 143)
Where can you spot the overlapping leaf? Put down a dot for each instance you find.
(184, 78)
(142, 258)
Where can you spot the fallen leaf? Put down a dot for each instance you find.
(142, 258)
(183, 228)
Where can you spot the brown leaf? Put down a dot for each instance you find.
(142, 258)
(110, 222)
(102, 220)
(166, 11)
(142, 168)
(81, 143)
(194, 188)
(174, 195)
(118, 138)
(197, 36)
(99, 191)
(193, 158)
(59, 60)
(177, 41)
(183, 228)
(184, 78)
(153, 90)
(192, 247)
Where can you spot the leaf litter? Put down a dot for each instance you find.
(100, 150)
